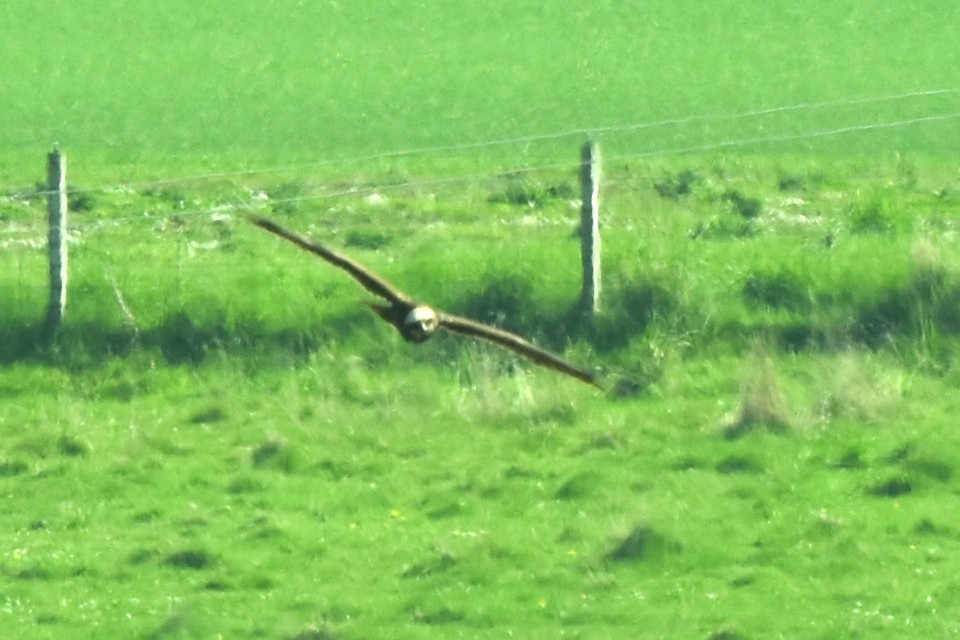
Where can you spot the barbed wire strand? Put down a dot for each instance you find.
(792, 137)
(258, 204)
(571, 133)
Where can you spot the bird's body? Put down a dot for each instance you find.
(417, 322)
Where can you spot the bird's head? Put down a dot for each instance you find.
(421, 323)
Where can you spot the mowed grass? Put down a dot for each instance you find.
(174, 90)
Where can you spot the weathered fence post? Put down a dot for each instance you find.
(590, 226)
(57, 240)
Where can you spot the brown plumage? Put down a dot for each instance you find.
(416, 322)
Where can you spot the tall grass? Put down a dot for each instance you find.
(836, 261)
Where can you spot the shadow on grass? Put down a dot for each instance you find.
(642, 544)
(180, 338)
(19, 341)
(921, 311)
(512, 304)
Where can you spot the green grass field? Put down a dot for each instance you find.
(223, 443)
(175, 89)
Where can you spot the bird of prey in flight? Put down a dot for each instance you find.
(415, 321)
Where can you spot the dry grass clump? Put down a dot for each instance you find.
(762, 400)
(852, 391)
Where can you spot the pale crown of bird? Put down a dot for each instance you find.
(422, 320)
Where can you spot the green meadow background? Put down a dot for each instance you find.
(221, 442)
(180, 87)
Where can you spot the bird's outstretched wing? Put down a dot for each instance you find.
(368, 279)
(400, 301)
(518, 345)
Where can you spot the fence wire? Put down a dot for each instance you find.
(257, 201)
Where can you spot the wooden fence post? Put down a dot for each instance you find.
(590, 226)
(57, 241)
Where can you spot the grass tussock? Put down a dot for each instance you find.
(763, 402)
(641, 544)
(854, 389)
